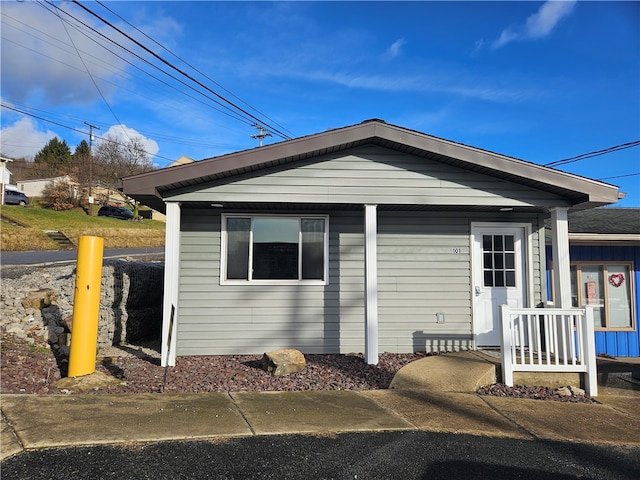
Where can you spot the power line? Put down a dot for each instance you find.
(156, 136)
(621, 176)
(104, 139)
(189, 64)
(95, 84)
(597, 153)
(180, 71)
(232, 114)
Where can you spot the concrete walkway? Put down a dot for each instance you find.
(432, 394)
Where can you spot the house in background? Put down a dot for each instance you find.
(5, 177)
(5, 173)
(367, 238)
(35, 187)
(604, 246)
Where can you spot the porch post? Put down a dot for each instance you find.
(171, 265)
(371, 285)
(560, 249)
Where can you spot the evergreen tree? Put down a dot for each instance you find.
(82, 150)
(54, 158)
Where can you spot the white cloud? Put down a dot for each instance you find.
(23, 139)
(394, 49)
(124, 134)
(40, 60)
(483, 89)
(56, 63)
(538, 25)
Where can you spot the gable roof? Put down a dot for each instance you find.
(151, 187)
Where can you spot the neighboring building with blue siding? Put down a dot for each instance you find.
(605, 272)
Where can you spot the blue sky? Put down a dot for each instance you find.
(539, 81)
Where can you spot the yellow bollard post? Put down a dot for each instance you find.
(86, 307)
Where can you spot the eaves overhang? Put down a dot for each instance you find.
(152, 188)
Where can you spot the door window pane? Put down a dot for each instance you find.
(487, 244)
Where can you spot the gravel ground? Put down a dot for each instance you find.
(33, 368)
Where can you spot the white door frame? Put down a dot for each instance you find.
(527, 258)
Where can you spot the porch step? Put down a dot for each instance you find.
(61, 239)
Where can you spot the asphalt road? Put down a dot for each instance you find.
(68, 256)
(390, 455)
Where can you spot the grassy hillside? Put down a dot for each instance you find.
(33, 220)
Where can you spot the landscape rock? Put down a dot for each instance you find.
(569, 391)
(88, 382)
(283, 362)
(39, 299)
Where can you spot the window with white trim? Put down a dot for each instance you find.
(608, 288)
(274, 248)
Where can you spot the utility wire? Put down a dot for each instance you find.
(95, 84)
(181, 72)
(597, 153)
(105, 139)
(232, 114)
(621, 176)
(189, 65)
(156, 136)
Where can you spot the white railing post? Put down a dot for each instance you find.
(589, 354)
(507, 345)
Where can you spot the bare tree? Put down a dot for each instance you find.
(114, 159)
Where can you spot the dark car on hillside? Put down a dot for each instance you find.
(115, 212)
(13, 197)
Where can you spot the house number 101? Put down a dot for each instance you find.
(456, 249)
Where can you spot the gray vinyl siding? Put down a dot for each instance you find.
(372, 174)
(423, 268)
(215, 319)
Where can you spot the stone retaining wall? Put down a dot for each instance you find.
(37, 302)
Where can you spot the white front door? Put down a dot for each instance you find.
(499, 278)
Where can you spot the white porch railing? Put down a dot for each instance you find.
(549, 340)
